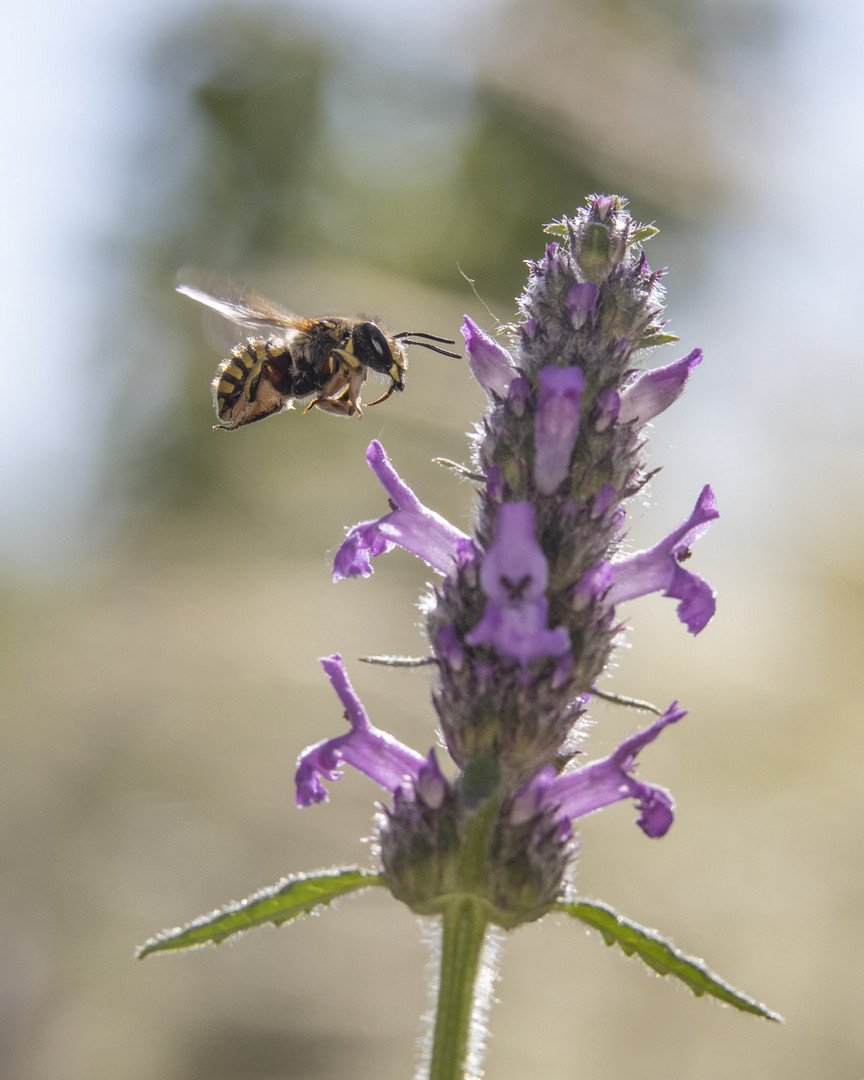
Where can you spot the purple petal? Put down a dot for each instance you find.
(608, 409)
(450, 647)
(582, 303)
(494, 486)
(519, 395)
(653, 391)
(410, 525)
(376, 754)
(531, 798)
(514, 574)
(363, 542)
(490, 363)
(604, 782)
(593, 584)
(603, 500)
(698, 599)
(556, 425)
(514, 567)
(431, 785)
(521, 633)
(659, 569)
(528, 330)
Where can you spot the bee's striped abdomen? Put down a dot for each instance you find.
(252, 380)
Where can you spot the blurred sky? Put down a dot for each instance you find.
(73, 112)
(776, 304)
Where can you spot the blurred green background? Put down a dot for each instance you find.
(166, 592)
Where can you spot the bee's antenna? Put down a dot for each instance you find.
(418, 333)
(432, 348)
(405, 335)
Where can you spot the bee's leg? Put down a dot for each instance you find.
(335, 387)
(346, 403)
(341, 406)
(336, 396)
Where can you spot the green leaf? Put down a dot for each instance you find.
(657, 339)
(643, 233)
(629, 702)
(462, 470)
(557, 228)
(661, 955)
(640, 234)
(286, 900)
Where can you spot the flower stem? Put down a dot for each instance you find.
(463, 931)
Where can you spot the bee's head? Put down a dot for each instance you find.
(373, 348)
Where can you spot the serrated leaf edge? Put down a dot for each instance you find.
(616, 929)
(240, 915)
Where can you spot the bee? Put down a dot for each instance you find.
(327, 359)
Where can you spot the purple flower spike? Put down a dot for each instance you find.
(660, 569)
(514, 574)
(556, 425)
(410, 525)
(490, 363)
(601, 783)
(376, 754)
(653, 391)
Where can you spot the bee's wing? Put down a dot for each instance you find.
(242, 306)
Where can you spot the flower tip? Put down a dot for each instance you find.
(490, 363)
(353, 559)
(470, 330)
(672, 715)
(698, 611)
(707, 503)
(315, 763)
(603, 204)
(657, 813)
(375, 453)
(652, 392)
(310, 791)
(334, 666)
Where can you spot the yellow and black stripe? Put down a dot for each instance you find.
(240, 372)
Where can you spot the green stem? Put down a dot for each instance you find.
(463, 931)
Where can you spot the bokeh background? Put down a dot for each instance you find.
(165, 589)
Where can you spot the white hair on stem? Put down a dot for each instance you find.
(484, 998)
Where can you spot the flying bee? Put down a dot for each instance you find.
(327, 359)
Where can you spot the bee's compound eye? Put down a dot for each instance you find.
(373, 347)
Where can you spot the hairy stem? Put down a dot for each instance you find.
(463, 932)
